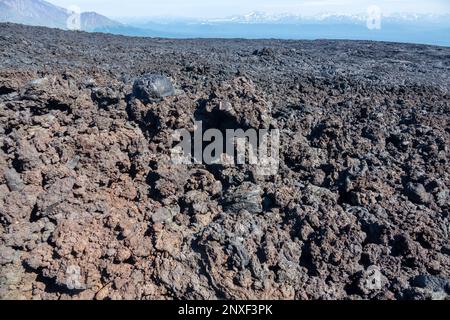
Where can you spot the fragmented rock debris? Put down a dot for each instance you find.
(91, 206)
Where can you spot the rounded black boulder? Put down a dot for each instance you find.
(152, 87)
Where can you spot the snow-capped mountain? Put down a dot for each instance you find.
(258, 17)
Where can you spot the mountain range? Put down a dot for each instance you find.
(43, 13)
(289, 18)
(400, 27)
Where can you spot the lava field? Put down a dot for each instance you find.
(92, 207)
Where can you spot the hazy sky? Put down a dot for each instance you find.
(223, 8)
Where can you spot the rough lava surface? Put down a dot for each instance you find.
(91, 207)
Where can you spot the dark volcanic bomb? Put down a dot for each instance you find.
(92, 207)
(152, 87)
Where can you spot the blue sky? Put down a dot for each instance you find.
(223, 8)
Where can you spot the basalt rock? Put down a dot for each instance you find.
(93, 207)
(152, 87)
